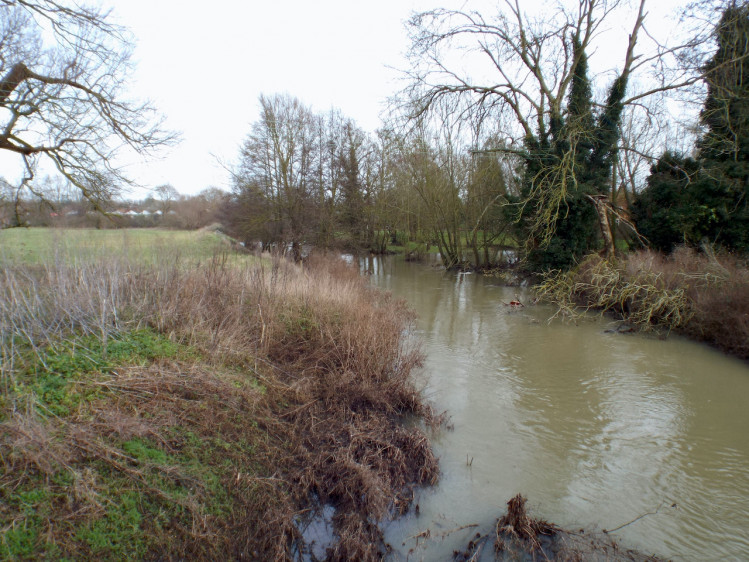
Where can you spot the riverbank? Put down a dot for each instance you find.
(699, 295)
(203, 411)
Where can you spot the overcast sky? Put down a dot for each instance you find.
(204, 65)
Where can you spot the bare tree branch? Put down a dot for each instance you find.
(67, 101)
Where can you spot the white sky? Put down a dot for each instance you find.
(205, 66)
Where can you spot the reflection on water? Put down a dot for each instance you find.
(594, 428)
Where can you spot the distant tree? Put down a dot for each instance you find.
(350, 158)
(277, 165)
(63, 69)
(247, 215)
(214, 197)
(490, 187)
(166, 194)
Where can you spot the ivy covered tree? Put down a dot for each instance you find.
(578, 154)
(564, 154)
(541, 101)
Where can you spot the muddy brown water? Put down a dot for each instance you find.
(596, 429)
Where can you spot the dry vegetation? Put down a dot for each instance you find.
(517, 535)
(202, 413)
(695, 293)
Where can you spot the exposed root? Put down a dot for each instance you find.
(517, 525)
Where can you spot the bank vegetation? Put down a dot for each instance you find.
(698, 294)
(209, 411)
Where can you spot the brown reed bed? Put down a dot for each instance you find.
(203, 412)
(696, 293)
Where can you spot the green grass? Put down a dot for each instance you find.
(51, 373)
(132, 518)
(119, 496)
(118, 535)
(34, 246)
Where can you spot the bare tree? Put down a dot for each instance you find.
(166, 194)
(63, 68)
(277, 167)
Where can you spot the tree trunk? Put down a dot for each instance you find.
(600, 202)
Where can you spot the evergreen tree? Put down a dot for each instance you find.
(688, 201)
(724, 148)
(566, 150)
(667, 212)
(580, 120)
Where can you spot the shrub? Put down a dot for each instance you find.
(701, 295)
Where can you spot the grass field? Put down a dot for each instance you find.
(146, 246)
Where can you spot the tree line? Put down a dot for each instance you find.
(544, 159)
(503, 138)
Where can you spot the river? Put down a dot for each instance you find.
(595, 428)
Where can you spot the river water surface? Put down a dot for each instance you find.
(594, 428)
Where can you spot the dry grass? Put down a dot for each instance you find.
(517, 526)
(284, 389)
(696, 293)
(644, 296)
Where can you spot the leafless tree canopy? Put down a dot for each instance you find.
(63, 69)
(515, 64)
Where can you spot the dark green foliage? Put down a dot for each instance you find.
(576, 233)
(606, 136)
(592, 145)
(688, 201)
(667, 211)
(580, 121)
(724, 149)
(726, 111)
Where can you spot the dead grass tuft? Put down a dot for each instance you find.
(517, 525)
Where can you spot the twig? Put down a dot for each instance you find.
(456, 529)
(637, 518)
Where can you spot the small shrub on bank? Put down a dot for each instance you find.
(698, 294)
